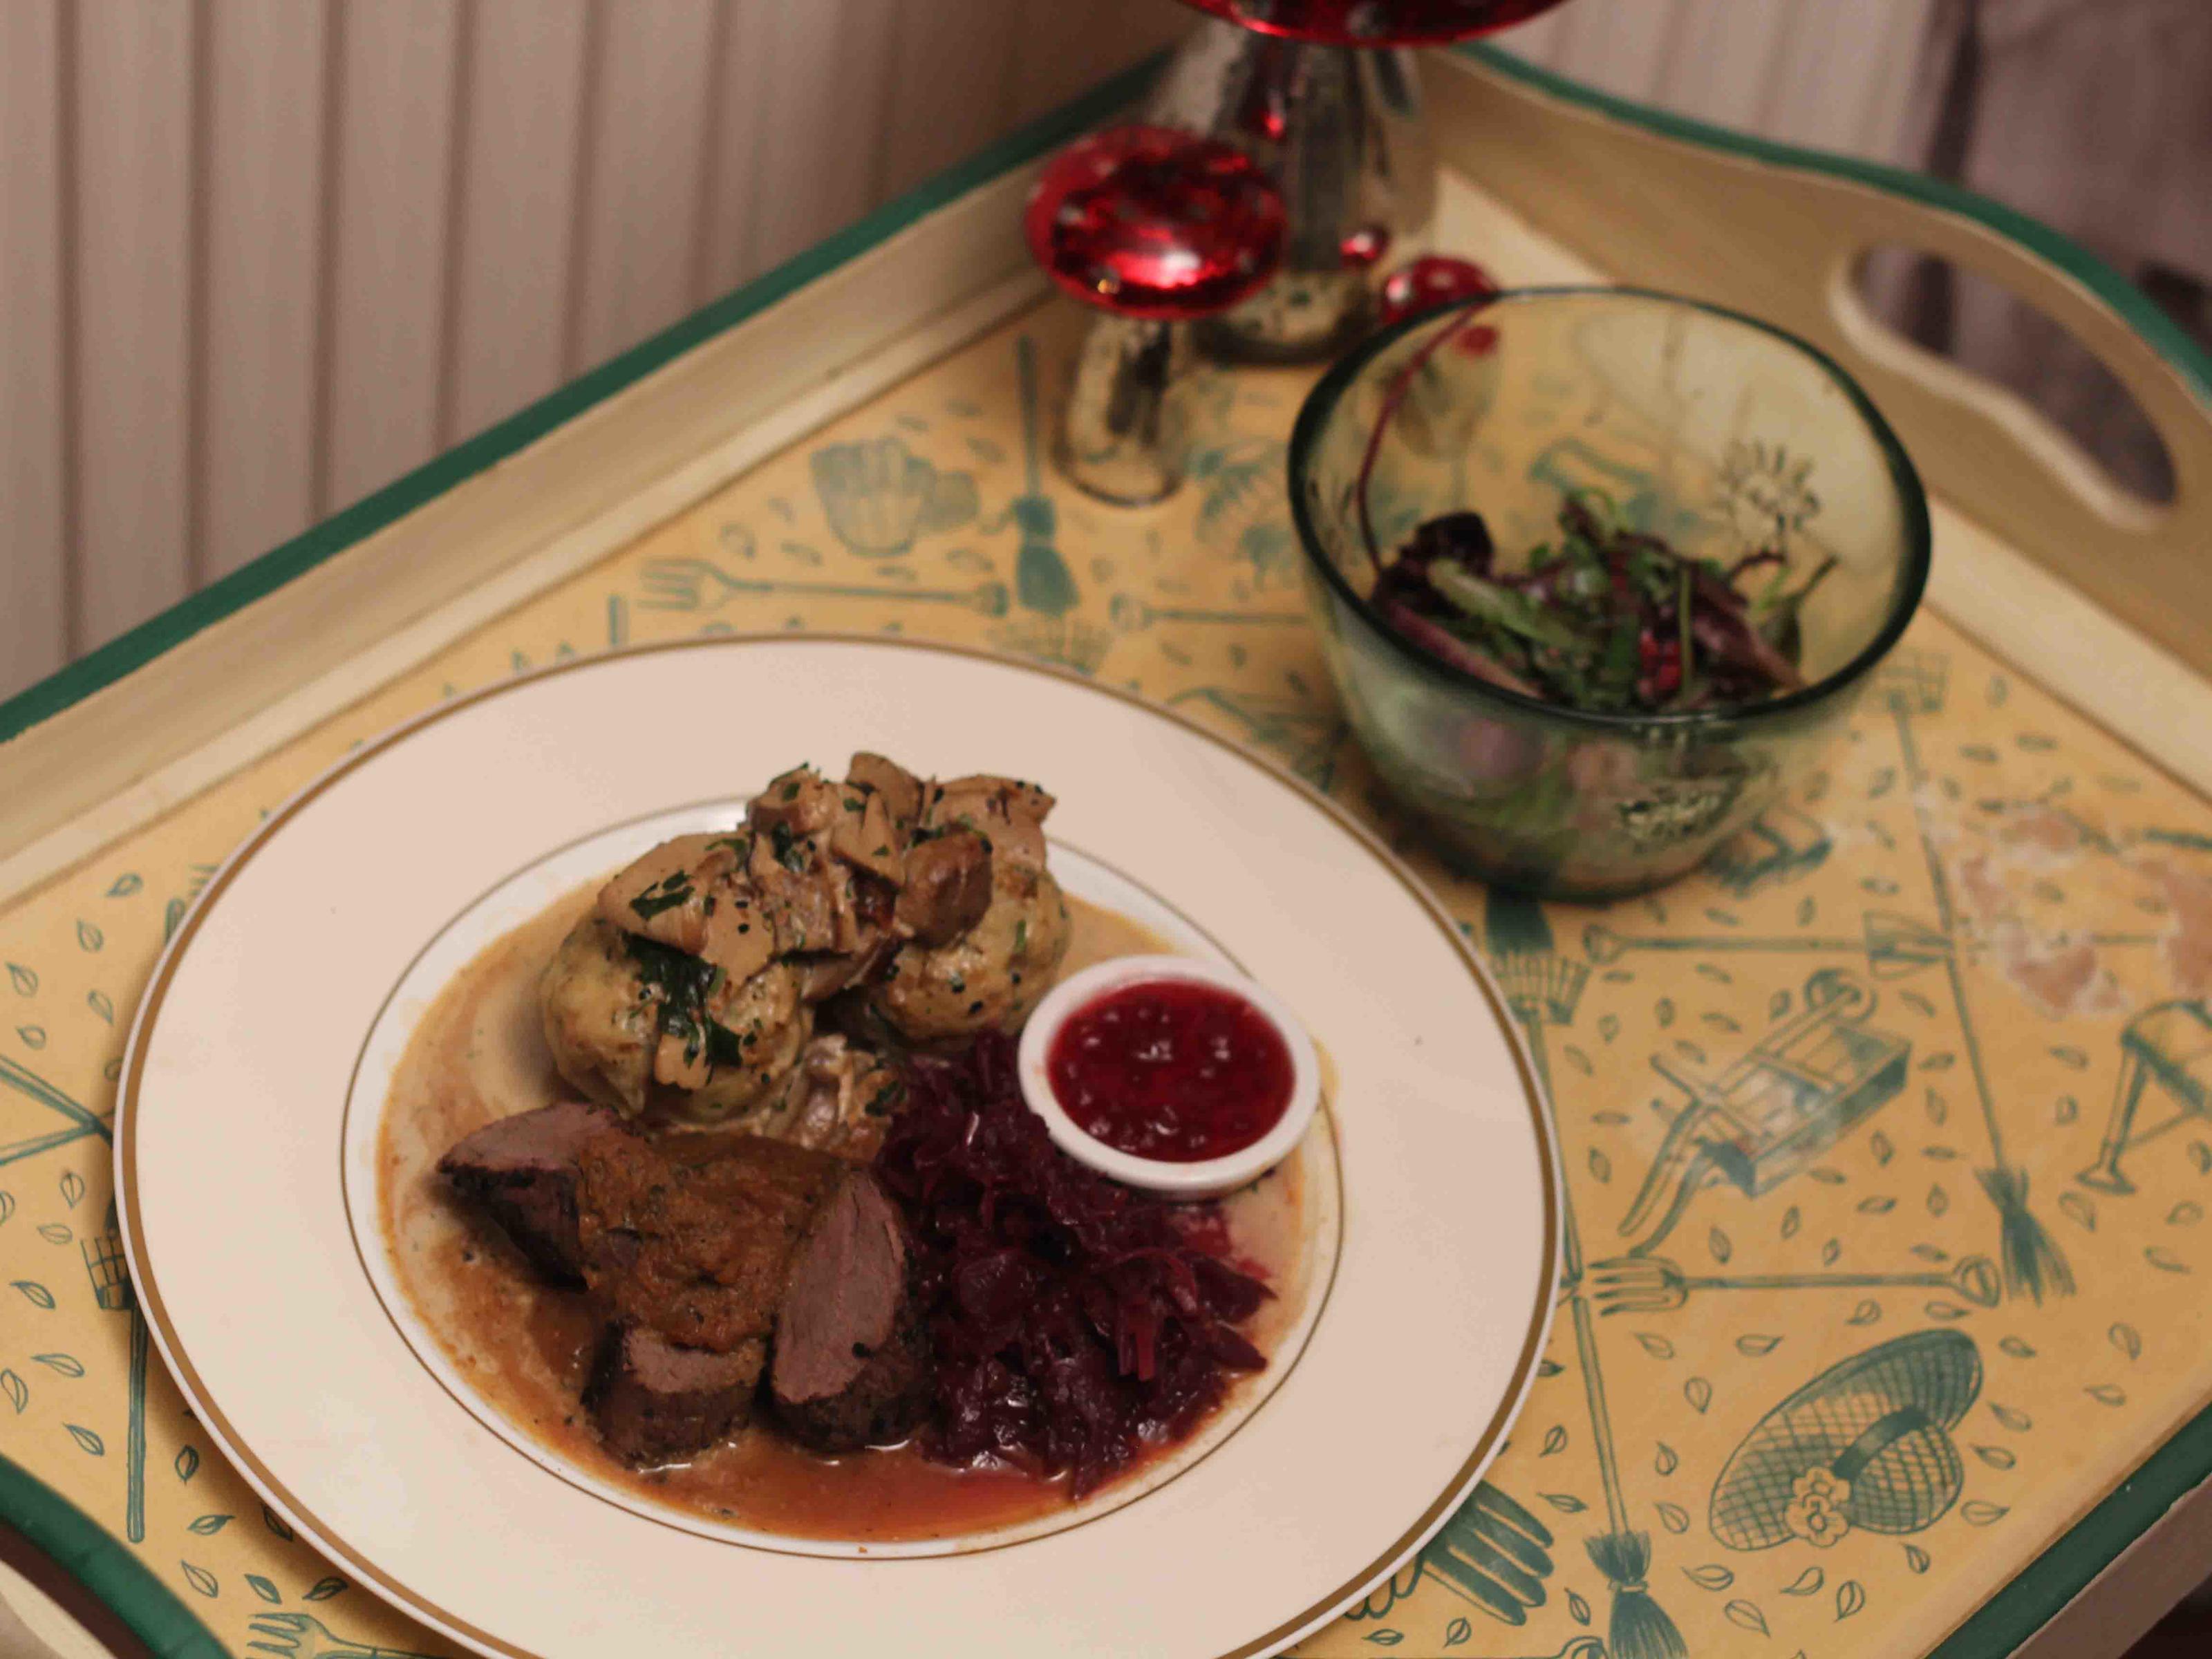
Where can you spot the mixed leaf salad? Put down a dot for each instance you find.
(1606, 618)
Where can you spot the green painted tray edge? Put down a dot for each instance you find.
(114, 1573)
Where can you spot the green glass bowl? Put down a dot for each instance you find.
(1713, 430)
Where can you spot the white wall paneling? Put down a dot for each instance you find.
(253, 423)
(129, 137)
(260, 256)
(34, 620)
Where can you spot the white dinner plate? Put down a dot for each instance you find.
(261, 1052)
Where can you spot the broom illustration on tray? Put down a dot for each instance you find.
(1541, 985)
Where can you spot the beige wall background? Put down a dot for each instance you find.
(258, 258)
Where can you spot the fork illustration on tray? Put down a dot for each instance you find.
(302, 1636)
(1652, 1284)
(701, 585)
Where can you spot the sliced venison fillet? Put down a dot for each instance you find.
(851, 1353)
(691, 1235)
(654, 1401)
(521, 1171)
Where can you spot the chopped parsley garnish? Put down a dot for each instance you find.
(790, 849)
(679, 984)
(666, 894)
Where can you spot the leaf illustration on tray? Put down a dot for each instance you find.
(1665, 1461)
(209, 1524)
(1717, 1242)
(55, 1233)
(2078, 1206)
(1850, 1598)
(262, 1587)
(2016, 1347)
(1807, 1582)
(1941, 1061)
(1458, 1632)
(2200, 1154)
(1866, 1313)
(2185, 1214)
(1830, 1251)
(1929, 1253)
(1938, 1108)
(1878, 1143)
(1384, 1639)
(1979, 1514)
(1744, 1616)
(1790, 1220)
(1654, 1345)
(200, 1579)
(1826, 1176)
(1548, 1368)
(60, 1363)
(1577, 1609)
(35, 1294)
(125, 886)
(89, 938)
(1916, 1557)
(324, 1589)
(2124, 1337)
(188, 1463)
(25, 981)
(1883, 781)
(1715, 1577)
(1673, 1517)
(1997, 1457)
(1938, 1200)
(2018, 1421)
(2068, 1056)
(1940, 1310)
(2066, 1111)
(1555, 1441)
(1600, 1166)
(1698, 1392)
(7, 1207)
(1689, 1051)
(72, 1188)
(1778, 1005)
(1566, 1502)
(35, 1036)
(1608, 1026)
(89, 1441)
(2107, 1394)
(1664, 1011)
(1919, 1004)
(1576, 1058)
(1757, 1347)
(1805, 912)
(100, 1003)
(1876, 1206)
(275, 1523)
(18, 1391)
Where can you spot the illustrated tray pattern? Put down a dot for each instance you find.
(1886, 1139)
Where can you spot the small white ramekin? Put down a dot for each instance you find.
(1212, 1176)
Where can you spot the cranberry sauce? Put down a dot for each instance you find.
(1171, 1069)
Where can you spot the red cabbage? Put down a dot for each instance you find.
(1076, 1320)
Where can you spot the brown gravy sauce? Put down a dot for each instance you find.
(479, 1054)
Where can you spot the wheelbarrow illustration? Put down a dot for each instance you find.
(1776, 1110)
(2170, 1044)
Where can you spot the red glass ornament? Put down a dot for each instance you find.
(1376, 22)
(1147, 223)
(1433, 281)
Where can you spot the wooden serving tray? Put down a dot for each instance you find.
(1932, 1045)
